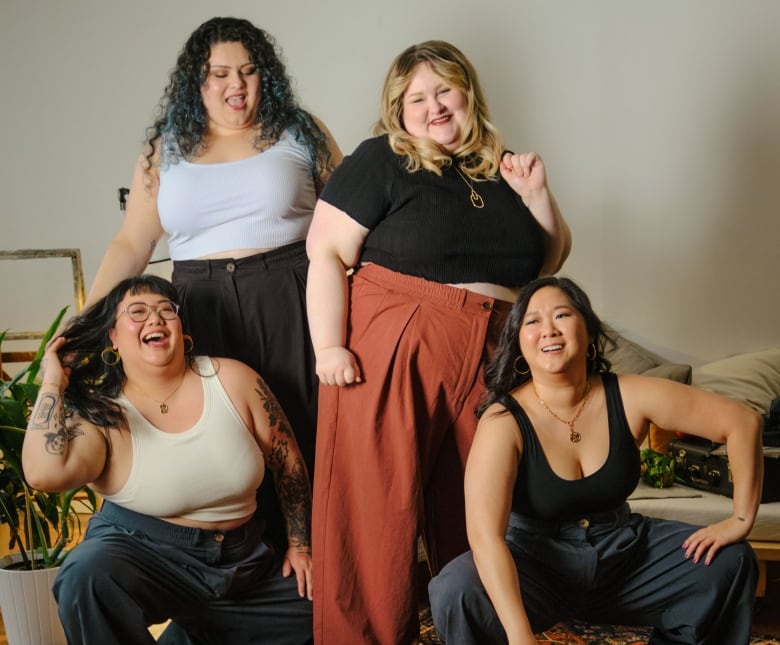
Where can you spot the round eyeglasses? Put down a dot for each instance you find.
(140, 311)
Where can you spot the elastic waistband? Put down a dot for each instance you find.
(442, 294)
(615, 517)
(269, 259)
(163, 531)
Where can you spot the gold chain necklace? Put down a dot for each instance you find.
(476, 198)
(163, 405)
(574, 437)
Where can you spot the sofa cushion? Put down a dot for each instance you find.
(753, 377)
(628, 357)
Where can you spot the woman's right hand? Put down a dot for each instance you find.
(337, 366)
(52, 371)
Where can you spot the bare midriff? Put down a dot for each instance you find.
(234, 254)
(497, 291)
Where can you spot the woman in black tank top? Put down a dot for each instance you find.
(555, 457)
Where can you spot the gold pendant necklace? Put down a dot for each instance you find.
(163, 405)
(574, 437)
(476, 198)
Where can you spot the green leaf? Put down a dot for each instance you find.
(657, 469)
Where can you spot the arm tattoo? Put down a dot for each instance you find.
(295, 499)
(56, 442)
(292, 481)
(45, 410)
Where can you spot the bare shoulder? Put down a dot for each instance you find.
(498, 424)
(232, 373)
(639, 385)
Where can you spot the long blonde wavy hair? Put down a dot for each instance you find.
(479, 153)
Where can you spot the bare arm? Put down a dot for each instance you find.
(60, 453)
(490, 477)
(283, 458)
(129, 252)
(335, 152)
(690, 410)
(527, 176)
(333, 245)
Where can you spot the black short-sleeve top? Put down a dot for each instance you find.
(425, 225)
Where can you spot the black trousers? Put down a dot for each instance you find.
(617, 568)
(133, 570)
(254, 309)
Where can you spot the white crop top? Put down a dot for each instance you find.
(209, 473)
(263, 201)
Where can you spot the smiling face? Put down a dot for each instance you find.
(157, 340)
(434, 110)
(553, 336)
(231, 91)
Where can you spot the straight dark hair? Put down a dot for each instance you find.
(500, 375)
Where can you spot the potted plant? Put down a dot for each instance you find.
(41, 524)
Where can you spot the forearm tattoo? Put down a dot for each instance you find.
(292, 480)
(295, 499)
(45, 411)
(48, 415)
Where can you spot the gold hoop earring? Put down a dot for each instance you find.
(112, 353)
(595, 352)
(186, 338)
(517, 371)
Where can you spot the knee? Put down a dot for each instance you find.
(90, 570)
(738, 561)
(746, 564)
(453, 590)
(734, 573)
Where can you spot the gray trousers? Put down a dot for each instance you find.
(611, 568)
(133, 570)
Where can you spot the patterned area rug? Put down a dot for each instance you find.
(578, 633)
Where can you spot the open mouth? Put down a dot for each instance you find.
(440, 120)
(238, 101)
(552, 348)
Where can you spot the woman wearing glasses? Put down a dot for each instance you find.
(176, 445)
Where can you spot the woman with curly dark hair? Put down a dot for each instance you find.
(176, 445)
(231, 171)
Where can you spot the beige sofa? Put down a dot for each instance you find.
(753, 378)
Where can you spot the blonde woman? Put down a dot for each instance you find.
(442, 226)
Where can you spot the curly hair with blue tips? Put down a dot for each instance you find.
(182, 119)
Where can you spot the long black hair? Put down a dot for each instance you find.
(94, 385)
(182, 120)
(500, 375)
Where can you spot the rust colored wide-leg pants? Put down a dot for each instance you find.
(391, 451)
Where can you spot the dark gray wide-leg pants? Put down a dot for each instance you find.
(132, 571)
(614, 568)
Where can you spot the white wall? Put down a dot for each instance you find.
(659, 122)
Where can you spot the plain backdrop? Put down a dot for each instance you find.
(659, 123)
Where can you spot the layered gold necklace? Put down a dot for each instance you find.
(476, 198)
(574, 437)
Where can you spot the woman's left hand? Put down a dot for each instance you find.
(707, 541)
(299, 560)
(525, 173)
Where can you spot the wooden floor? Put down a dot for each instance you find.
(767, 619)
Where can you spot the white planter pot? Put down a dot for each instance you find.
(28, 607)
